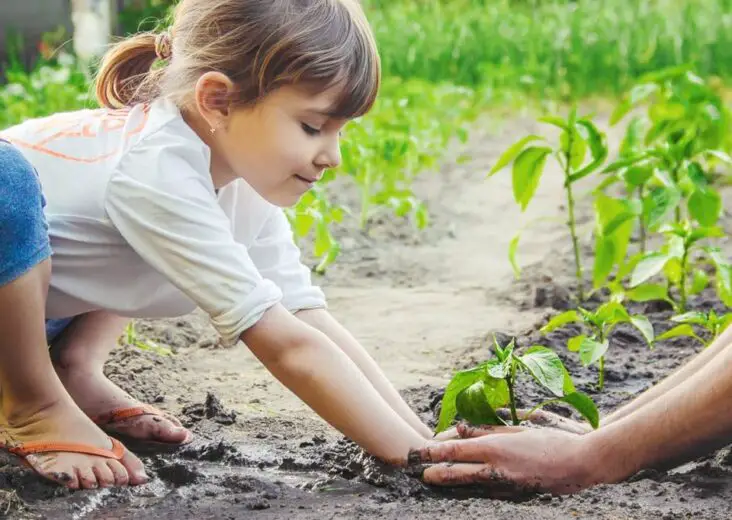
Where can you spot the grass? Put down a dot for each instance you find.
(562, 48)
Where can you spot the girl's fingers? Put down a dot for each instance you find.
(447, 435)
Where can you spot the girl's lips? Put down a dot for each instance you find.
(305, 179)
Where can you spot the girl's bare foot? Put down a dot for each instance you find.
(79, 357)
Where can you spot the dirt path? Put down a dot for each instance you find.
(422, 304)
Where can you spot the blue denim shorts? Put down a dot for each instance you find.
(24, 241)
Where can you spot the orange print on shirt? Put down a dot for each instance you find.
(82, 126)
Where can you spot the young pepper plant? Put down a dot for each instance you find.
(714, 325)
(477, 393)
(682, 261)
(593, 345)
(581, 150)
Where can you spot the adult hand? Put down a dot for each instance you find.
(546, 419)
(511, 460)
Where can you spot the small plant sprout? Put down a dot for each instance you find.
(714, 324)
(476, 394)
(581, 150)
(131, 337)
(593, 345)
(682, 262)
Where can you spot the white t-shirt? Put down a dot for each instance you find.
(137, 227)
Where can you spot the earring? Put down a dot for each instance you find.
(212, 130)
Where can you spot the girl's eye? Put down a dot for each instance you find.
(309, 129)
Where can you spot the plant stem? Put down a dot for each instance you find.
(571, 221)
(675, 177)
(642, 222)
(682, 282)
(601, 380)
(511, 397)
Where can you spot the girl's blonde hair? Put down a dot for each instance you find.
(259, 44)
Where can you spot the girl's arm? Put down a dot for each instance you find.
(323, 321)
(320, 373)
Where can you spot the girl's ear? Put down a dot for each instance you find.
(213, 96)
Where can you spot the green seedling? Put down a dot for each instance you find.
(477, 393)
(131, 337)
(714, 325)
(684, 131)
(594, 343)
(683, 261)
(581, 150)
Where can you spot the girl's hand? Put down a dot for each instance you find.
(545, 419)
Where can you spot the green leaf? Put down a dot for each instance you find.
(724, 283)
(693, 317)
(659, 202)
(611, 312)
(705, 232)
(644, 326)
(510, 154)
(598, 147)
(546, 368)
(512, 250)
(459, 382)
(555, 121)
(578, 151)
(624, 162)
(527, 170)
(651, 265)
(604, 260)
(696, 175)
(680, 330)
(705, 206)
(648, 292)
(585, 406)
(561, 320)
(502, 369)
(617, 221)
(574, 344)
(472, 404)
(591, 350)
(638, 175)
(699, 282)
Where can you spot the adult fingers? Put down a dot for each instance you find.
(464, 450)
(467, 431)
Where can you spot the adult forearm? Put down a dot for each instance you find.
(328, 325)
(679, 376)
(328, 381)
(690, 419)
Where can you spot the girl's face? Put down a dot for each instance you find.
(281, 146)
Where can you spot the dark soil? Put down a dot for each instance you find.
(311, 477)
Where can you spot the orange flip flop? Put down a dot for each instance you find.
(106, 422)
(22, 450)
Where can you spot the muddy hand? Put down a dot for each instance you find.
(509, 460)
(546, 420)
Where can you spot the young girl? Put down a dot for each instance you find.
(170, 198)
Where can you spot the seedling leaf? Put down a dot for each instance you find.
(680, 330)
(644, 326)
(585, 406)
(648, 292)
(699, 282)
(472, 404)
(546, 368)
(574, 344)
(527, 170)
(650, 266)
(561, 320)
(705, 206)
(512, 249)
(459, 382)
(510, 154)
(591, 350)
(698, 318)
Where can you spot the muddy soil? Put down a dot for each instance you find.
(424, 304)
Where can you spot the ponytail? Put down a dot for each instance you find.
(125, 75)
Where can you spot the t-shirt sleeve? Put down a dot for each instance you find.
(161, 200)
(277, 257)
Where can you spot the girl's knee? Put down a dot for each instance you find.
(24, 239)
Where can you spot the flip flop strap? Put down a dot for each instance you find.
(30, 448)
(120, 414)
